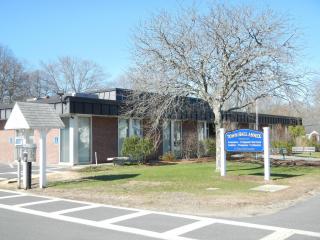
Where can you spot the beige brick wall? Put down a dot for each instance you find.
(52, 149)
(6, 149)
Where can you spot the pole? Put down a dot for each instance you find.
(222, 153)
(25, 174)
(96, 157)
(257, 116)
(43, 162)
(19, 172)
(266, 147)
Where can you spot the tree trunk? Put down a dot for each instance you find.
(218, 124)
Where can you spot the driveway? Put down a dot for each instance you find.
(10, 171)
(26, 216)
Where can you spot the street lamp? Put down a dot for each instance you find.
(60, 94)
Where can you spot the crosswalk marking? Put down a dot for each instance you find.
(278, 233)
(35, 203)
(125, 217)
(74, 209)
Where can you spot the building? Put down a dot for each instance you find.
(93, 124)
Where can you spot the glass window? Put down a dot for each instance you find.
(166, 137)
(56, 140)
(64, 138)
(201, 131)
(136, 127)
(123, 132)
(84, 129)
(177, 138)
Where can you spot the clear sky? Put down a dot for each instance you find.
(38, 30)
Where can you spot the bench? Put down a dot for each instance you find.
(282, 151)
(303, 150)
(122, 161)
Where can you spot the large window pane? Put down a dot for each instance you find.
(123, 132)
(136, 127)
(64, 141)
(177, 138)
(84, 139)
(201, 131)
(166, 137)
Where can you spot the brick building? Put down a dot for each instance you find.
(93, 124)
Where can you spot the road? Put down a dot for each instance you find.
(25, 216)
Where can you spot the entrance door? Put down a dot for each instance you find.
(84, 143)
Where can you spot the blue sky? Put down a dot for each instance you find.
(101, 30)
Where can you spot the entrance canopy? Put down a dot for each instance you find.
(27, 115)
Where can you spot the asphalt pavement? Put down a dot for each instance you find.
(8, 172)
(25, 216)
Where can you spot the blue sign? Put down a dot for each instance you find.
(244, 140)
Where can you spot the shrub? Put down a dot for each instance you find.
(283, 144)
(210, 147)
(137, 148)
(296, 131)
(168, 157)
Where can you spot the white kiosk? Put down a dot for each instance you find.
(26, 117)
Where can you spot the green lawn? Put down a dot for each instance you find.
(188, 177)
(313, 154)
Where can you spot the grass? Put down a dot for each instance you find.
(183, 187)
(185, 177)
(313, 154)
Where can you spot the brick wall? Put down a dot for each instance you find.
(104, 138)
(6, 149)
(52, 148)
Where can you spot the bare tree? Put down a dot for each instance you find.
(227, 57)
(11, 76)
(74, 75)
(37, 84)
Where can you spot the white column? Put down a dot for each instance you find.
(19, 173)
(266, 147)
(222, 154)
(43, 160)
(24, 175)
(73, 141)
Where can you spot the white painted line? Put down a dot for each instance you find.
(105, 224)
(8, 173)
(94, 223)
(74, 209)
(13, 196)
(125, 217)
(189, 227)
(36, 202)
(279, 235)
(10, 191)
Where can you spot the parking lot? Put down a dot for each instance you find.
(129, 223)
(8, 172)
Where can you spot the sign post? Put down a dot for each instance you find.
(246, 140)
(222, 154)
(266, 154)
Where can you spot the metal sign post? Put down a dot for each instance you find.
(266, 154)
